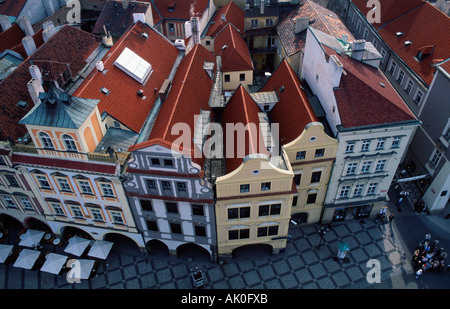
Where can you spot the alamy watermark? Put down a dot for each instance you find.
(74, 14)
(374, 14)
(374, 273)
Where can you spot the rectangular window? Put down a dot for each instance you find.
(400, 77)
(381, 143)
(107, 189)
(365, 169)
(171, 28)
(351, 169)
(151, 184)
(319, 153)
(396, 142)
(372, 188)
(12, 180)
(311, 198)
(365, 145)
(381, 165)
(349, 148)
(345, 190)
(97, 215)
(181, 187)
(297, 179)
(265, 186)
(117, 217)
(392, 67)
(175, 228)
(239, 234)
(315, 176)
(409, 86)
(146, 205)
(200, 230)
(43, 182)
(9, 201)
(358, 190)
(166, 185)
(253, 23)
(57, 209)
(168, 163)
(435, 158)
(155, 162)
(198, 210)
(238, 212)
(269, 22)
(418, 97)
(245, 188)
(26, 203)
(300, 155)
(172, 207)
(152, 225)
(226, 78)
(85, 187)
(268, 231)
(76, 211)
(64, 185)
(242, 77)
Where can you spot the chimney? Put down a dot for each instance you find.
(301, 24)
(34, 88)
(49, 8)
(100, 66)
(29, 45)
(49, 30)
(261, 8)
(25, 25)
(35, 73)
(5, 23)
(125, 4)
(138, 17)
(344, 38)
(358, 49)
(195, 30)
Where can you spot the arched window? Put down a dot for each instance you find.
(69, 142)
(46, 140)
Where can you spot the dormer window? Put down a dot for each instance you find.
(69, 142)
(46, 140)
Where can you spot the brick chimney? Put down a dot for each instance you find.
(34, 88)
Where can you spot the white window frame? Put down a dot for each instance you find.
(26, 203)
(365, 145)
(351, 168)
(358, 190)
(46, 140)
(408, 84)
(344, 192)
(372, 188)
(381, 165)
(381, 143)
(435, 158)
(417, 95)
(69, 142)
(366, 166)
(350, 147)
(82, 183)
(392, 67)
(401, 74)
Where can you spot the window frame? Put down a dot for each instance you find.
(69, 143)
(46, 141)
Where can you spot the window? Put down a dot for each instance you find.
(253, 23)
(358, 190)
(172, 207)
(400, 77)
(351, 168)
(69, 142)
(381, 143)
(26, 203)
(315, 176)
(239, 212)
(319, 153)
(117, 217)
(372, 188)
(200, 230)
(43, 182)
(168, 163)
(375, 43)
(418, 97)
(311, 198)
(409, 86)
(198, 210)
(152, 225)
(57, 209)
(267, 231)
(265, 186)
(97, 215)
(12, 180)
(171, 28)
(76, 211)
(85, 187)
(365, 169)
(365, 145)
(245, 188)
(208, 42)
(175, 228)
(344, 192)
(46, 140)
(166, 185)
(146, 205)
(435, 158)
(298, 179)
(151, 184)
(392, 67)
(269, 210)
(383, 54)
(239, 234)
(294, 201)
(350, 146)
(155, 162)
(9, 201)
(242, 77)
(381, 165)
(366, 34)
(358, 27)
(396, 142)
(181, 187)
(107, 189)
(64, 185)
(300, 155)
(269, 22)
(227, 78)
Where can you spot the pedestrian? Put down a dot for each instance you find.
(391, 217)
(419, 273)
(428, 236)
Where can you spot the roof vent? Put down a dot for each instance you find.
(100, 66)
(399, 34)
(104, 90)
(145, 35)
(382, 85)
(407, 43)
(140, 93)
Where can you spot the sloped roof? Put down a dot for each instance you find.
(183, 9)
(53, 112)
(293, 110)
(365, 97)
(242, 109)
(11, 37)
(122, 102)
(189, 95)
(11, 7)
(236, 56)
(320, 18)
(76, 45)
(233, 14)
(116, 19)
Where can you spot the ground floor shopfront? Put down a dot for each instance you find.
(346, 212)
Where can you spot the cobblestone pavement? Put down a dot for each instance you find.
(302, 265)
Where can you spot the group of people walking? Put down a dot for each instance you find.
(428, 256)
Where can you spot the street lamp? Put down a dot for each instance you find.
(322, 232)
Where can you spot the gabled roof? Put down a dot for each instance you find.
(319, 17)
(242, 109)
(58, 109)
(236, 56)
(116, 19)
(189, 95)
(11, 7)
(76, 45)
(122, 101)
(11, 37)
(233, 14)
(293, 110)
(180, 9)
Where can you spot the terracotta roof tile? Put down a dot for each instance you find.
(12, 7)
(11, 37)
(183, 9)
(122, 102)
(233, 14)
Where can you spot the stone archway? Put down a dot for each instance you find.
(253, 252)
(123, 244)
(69, 231)
(11, 223)
(158, 248)
(193, 251)
(36, 224)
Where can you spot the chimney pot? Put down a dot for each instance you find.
(34, 88)
(29, 45)
(5, 22)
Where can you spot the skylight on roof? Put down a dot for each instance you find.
(133, 65)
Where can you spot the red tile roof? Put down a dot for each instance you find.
(242, 109)
(12, 7)
(11, 37)
(236, 56)
(233, 14)
(365, 97)
(183, 9)
(189, 95)
(293, 110)
(77, 46)
(123, 103)
(65, 164)
(38, 40)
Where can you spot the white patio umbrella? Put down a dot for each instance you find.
(5, 251)
(100, 249)
(54, 262)
(31, 238)
(27, 258)
(77, 245)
